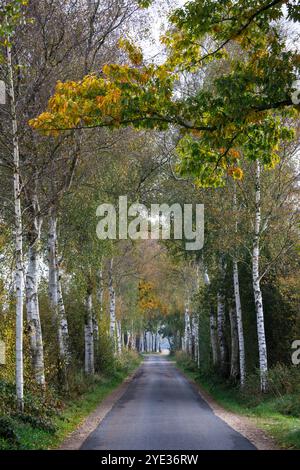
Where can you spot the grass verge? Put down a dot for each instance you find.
(31, 437)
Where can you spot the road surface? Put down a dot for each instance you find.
(161, 410)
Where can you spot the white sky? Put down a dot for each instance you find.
(158, 14)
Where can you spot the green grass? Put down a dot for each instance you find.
(264, 414)
(72, 416)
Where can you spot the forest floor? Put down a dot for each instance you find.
(262, 423)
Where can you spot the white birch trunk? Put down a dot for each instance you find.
(32, 302)
(238, 305)
(221, 330)
(148, 341)
(187, 330)
(192, 336)
(234, 359)
(100, 292)
(239, 319)
(195, 335)
(128, 341)
(63, 323)
(157, 342)
(197, 321)
(133, 340)
(89, 336)
(112, 306)
(142, 343)
(119, 337)
(52, 266)
(221, 319)
(213, 336)
(19, 273)
(212, 326)
(96, 329)
(55, 291)
(262, 347)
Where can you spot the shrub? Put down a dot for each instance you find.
(185, 361)
(284, 380)
(7, 430)
(79, 383)
(127, 360)
(289, 405)
(39, 422)
(105, 360)
(8, 397)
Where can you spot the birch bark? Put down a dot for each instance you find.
(157, 342)
(133, 341)
(128, 340)
(234, 358)
(55, 291)
(213, 336)
(187, 330)
(212, 326)
(239, 319)
(195, 333)
(221, 319)
(19, 273)
(32, 301)
(262, 347)
(89, 335)
(63, 323)
(112, 305)
(221, 330)
(119, 337)
(100, 292)
(142, 345)
(149, 341)
(238, 305)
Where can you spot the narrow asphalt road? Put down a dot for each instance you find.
(161, 410)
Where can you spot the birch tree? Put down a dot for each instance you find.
(100, 292)
(89, 333)
(19, 272)
(212, 326)
(195, 334)
(262, 347)
(157, 342)
(221, 316)
(112, 304)
(142, 342)
(187, 330)
(32, 300)
(238, 306)
(220, 330)
(55, 291)
(234, 357)
(119, 336)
